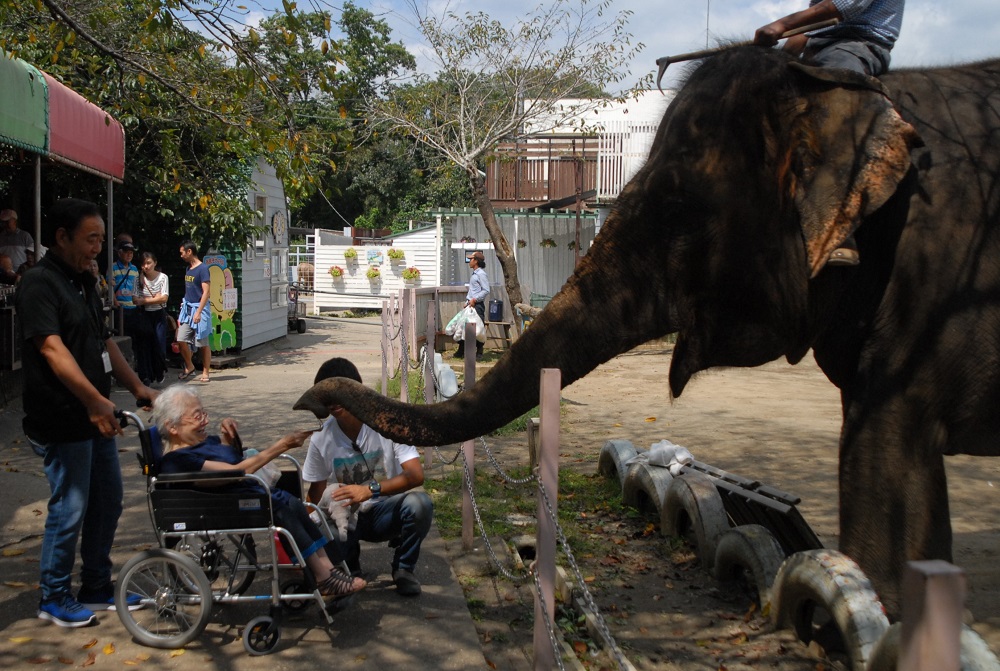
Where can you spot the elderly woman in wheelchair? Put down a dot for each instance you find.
(182, 423)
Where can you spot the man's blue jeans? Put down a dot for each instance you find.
(85, 479)
(405, 516)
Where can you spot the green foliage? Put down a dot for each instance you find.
(201, 96)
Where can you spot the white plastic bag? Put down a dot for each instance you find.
(664, 454)
(269, 472)
(343, 515)
(457, 324)
(446, 380)
(480, 326)
(468, 314)
(669, 455)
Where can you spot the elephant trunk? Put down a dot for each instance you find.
(596, 316)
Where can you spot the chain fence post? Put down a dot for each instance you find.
(933, 601)
(404, 354)
(469, 446)
(385, 347)
(545, 543)
(430, 347)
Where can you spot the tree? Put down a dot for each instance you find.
(493, 80)
(199, 106)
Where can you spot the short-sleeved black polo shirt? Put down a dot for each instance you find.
(52, 299)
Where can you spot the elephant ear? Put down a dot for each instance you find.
(850, 149)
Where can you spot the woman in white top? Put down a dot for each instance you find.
(152, 293)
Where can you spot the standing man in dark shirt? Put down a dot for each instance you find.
(194, 323)
(69, 358)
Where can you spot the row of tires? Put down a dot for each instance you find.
(802, 589)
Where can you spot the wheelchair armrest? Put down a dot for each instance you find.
(201, 476)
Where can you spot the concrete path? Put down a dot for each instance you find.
(381, 630)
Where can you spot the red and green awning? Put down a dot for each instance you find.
(43, 116)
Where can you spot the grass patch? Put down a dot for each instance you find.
(414, 385)
(518, 425)
(581, 497)
(360, 313)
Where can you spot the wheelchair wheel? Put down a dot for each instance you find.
(261, 635)
(295, 586)
(174, 614)
(224, 558)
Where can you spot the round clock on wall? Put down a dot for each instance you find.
(278, 226)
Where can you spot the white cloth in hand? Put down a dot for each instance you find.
(343, 515)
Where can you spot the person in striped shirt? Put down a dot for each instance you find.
(861, 41)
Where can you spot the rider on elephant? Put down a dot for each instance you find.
(861, 41)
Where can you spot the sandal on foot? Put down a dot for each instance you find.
(204, 378)
(185, 374)
(338, 585)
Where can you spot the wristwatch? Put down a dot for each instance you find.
(375, 488)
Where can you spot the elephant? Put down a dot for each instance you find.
(760, 167)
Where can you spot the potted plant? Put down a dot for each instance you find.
(521, 244)
(411, 274)
(350, 254)
(336, 272)
(373, 273)
(571, 244)
(467, 238)
(547, 242)
(396, 254)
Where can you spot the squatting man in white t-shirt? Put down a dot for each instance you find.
(376, 473)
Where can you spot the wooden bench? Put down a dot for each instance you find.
(499, 332)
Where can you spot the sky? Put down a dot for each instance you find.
(934, 32)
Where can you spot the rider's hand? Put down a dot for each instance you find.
(768, 36)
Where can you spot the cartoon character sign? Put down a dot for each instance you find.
(223, 296)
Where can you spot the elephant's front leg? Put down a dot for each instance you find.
(893, 495)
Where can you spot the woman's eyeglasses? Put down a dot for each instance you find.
(199, 416)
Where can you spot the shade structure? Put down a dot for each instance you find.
(24, 112)
(44, 116)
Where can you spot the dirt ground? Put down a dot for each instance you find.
(778, 424)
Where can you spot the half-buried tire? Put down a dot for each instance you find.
(831, 581)
(693, 507)
(750, 552)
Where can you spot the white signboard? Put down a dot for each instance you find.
(230, 299)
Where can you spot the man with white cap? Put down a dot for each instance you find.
(14, 241)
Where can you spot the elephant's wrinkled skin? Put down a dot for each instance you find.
(759, 168)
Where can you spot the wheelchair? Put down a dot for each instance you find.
(209, 554)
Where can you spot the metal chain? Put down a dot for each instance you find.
(482, 528)
(499, 468)
(437, 383)
(588, 599)
(444, 461)
(549, 624)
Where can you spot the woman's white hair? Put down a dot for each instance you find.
(171, 405)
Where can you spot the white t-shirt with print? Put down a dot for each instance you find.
(332, 457)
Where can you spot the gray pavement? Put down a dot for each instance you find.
(381, 630)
